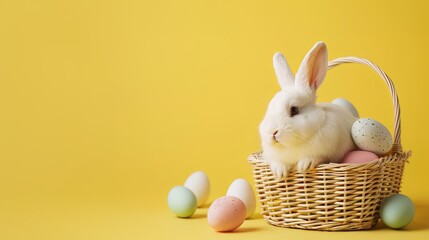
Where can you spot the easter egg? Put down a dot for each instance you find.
(226, 214)
(343, 102)
(359, 157)
(199, 184)
(182, 201)
(242, 190)
(370, 135)
(397, 211)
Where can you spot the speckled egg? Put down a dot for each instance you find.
(226, 214)
(370, 135)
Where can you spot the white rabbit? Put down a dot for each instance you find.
(298, 134)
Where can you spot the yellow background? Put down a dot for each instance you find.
(106, 105)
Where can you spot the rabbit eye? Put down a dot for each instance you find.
(293, 111)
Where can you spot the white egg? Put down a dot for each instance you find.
(343, 102)
(370, 135)
(242, 190)
(199, 184)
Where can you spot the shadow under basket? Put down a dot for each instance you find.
(333, 196)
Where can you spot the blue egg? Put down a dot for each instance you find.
(182, 201)
(397, 211)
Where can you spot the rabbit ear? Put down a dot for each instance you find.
(284, 75)
(313, 68)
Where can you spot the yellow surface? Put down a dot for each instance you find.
(106, 105)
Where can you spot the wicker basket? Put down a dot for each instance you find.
(334, 196)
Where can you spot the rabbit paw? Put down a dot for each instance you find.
(307, 164)
(280, 170)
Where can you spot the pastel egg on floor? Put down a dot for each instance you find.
(397, 211)
(343, 102)
(241, 189)
(370, 135)
(182, 201)
(226, 214)
(359, 157)
(199, 184)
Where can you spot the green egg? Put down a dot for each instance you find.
(182, 201)
(397, 211)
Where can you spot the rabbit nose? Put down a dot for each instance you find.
(274, 135)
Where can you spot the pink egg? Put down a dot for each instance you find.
(359, 157)
(226, 214)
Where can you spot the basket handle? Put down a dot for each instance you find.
(397, 147)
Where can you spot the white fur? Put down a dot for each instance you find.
(319, 133)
